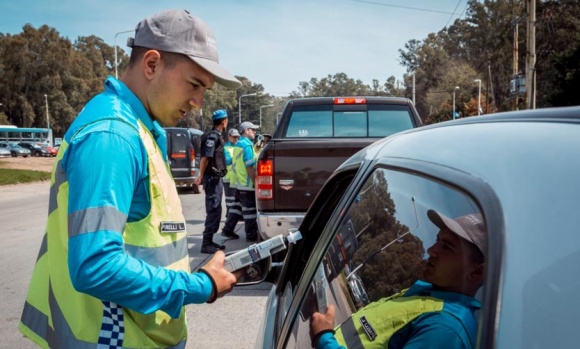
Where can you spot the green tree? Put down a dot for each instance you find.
(392, 259)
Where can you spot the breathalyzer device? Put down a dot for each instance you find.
(256, 252)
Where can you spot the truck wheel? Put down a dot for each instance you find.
(195, 188)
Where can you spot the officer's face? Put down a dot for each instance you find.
(451, 260)
(250, 133)
(177, 90)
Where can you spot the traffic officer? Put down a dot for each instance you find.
(113, 270)
(243, 166)
(212, 168)
(229, 189)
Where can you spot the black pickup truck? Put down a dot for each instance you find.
(314, 136)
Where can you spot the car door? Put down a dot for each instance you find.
(373, 241)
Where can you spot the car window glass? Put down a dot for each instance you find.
(310, 122)
(179, 143)
(385, 122)
(350, 124)
(380, 246)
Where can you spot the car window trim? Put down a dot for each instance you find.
(479, 191)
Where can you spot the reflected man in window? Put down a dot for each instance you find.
(435, 312)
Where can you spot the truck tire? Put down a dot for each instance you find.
(195, 188)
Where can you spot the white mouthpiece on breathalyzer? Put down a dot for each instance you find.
(294, 236)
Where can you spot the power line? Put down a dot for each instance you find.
(456, 6)
(404, 7)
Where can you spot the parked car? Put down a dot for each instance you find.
(35, 149)
(519, 170)
(5, 153)
(15, 149)
(183, 146)
(52, 150)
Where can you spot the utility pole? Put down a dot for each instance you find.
(531, 55)
(488, 78)
(414, 89)
(515, 65)
(493, 109)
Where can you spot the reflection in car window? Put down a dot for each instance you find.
(381, 249)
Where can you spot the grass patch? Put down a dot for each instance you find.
(13, 176)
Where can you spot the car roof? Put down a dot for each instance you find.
(461, 139)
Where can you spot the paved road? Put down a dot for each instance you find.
(231, 322)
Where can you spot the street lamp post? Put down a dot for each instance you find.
(478, 96)
(116, 62)
(456, 88)
(240, 105)
(47, 120)
(263, 106)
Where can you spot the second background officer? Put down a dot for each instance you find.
(212, 168)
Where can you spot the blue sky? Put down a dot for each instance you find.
(276, 43)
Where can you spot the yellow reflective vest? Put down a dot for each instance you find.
(55, 315)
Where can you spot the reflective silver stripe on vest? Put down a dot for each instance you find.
(38, 323)
(59, 179)
(350, 335)
(159, 256)
(180, 345)
(96, 219)
(43, 247)
(35, 320)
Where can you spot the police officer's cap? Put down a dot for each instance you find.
(219, 114)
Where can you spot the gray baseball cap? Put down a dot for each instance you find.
(246, 125)
(470, 227)
(178, 31)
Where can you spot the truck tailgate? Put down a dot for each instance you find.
(302, 166)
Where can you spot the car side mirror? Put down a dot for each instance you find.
(255, 272)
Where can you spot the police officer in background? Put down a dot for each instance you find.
(212, 168)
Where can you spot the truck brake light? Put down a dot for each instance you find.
(350, 100)
(264, 180)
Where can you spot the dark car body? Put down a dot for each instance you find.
(518, 170)
(183, 145)
(314, 136)
(35, 149)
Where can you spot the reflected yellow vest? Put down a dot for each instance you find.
(55, 315)
(230, 149)
(373, 325)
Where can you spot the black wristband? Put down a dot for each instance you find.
(316, 338)
(214, 290)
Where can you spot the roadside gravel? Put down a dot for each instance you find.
(28, 163)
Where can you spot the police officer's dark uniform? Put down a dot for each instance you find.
(212, 147)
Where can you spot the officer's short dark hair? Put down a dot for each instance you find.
(218, 121)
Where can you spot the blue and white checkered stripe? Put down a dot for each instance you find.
(112, 328)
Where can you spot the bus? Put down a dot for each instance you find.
(9, 133)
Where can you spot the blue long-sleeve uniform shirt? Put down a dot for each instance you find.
(438, 330)
(106, 165)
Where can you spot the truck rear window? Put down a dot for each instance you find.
(325, 122)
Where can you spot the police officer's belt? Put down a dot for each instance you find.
(218, 173)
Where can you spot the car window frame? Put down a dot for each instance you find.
(475, 188)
